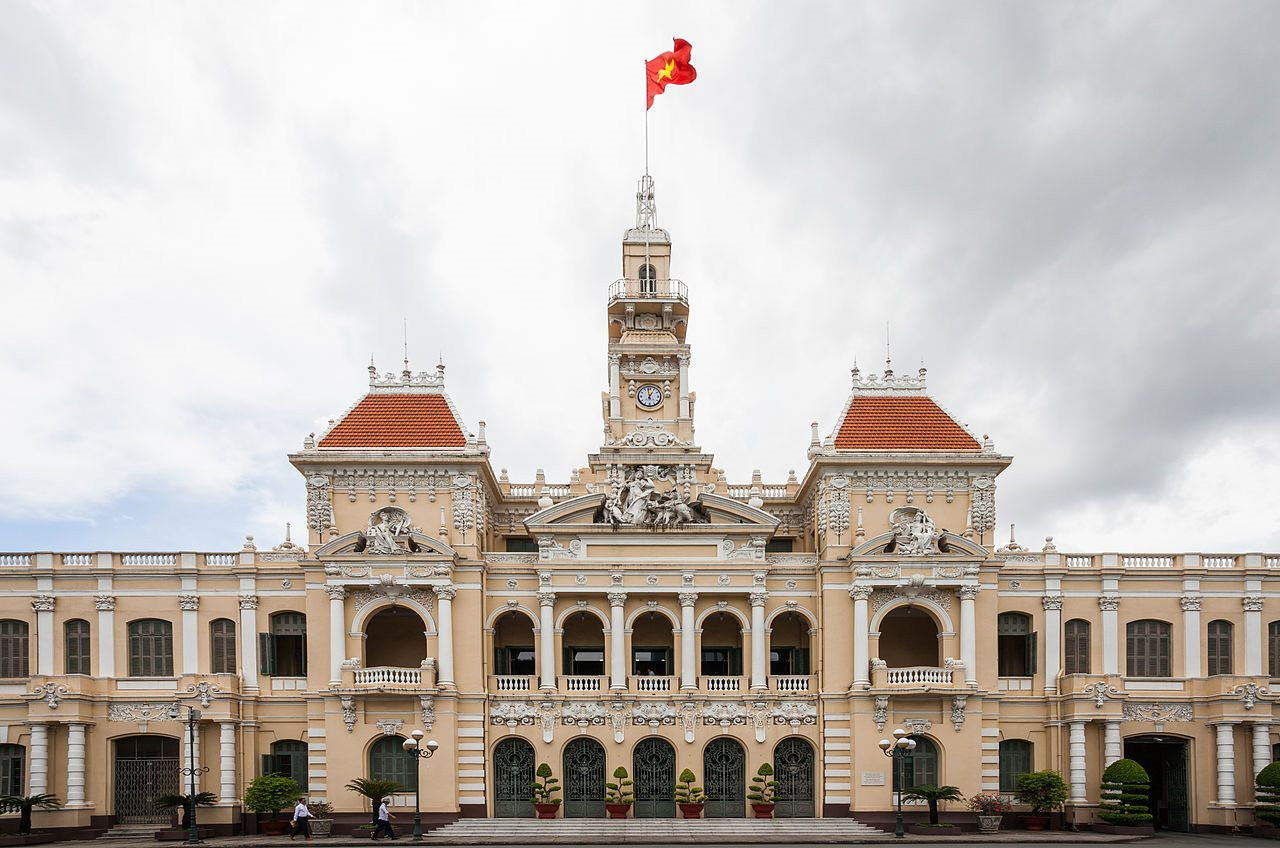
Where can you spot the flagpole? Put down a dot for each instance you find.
(647, 180)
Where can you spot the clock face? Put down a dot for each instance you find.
(649, 396)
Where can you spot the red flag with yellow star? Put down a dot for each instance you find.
(670, 68)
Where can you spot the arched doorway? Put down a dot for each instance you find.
(654, 772)
(725, 780)
(909, 639)
(721, 646)
(512, 776)
(793, 769)
(1165, 759)
(583, 779)
(395, 638)
(146, 768)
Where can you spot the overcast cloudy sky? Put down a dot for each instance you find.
(211, 214)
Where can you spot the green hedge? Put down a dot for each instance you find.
(1267, 794)
(1125, 787)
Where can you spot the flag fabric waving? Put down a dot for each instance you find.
(670, 68)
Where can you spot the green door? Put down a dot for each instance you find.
(724, 768)
(583, 780)
(654, 773)
(793, 770)
(512, 779)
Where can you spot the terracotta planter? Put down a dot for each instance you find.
(617, 811)
(989, 824)
(690, 811)
(546, 811)
(273, 828)
(762, 811)
(1035, 822)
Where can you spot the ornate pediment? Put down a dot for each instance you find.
(589, 510)
(413, 543)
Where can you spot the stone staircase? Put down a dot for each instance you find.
(136, 834)
(606, 831)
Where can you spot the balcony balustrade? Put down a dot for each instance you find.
(714, 683)
(511, 683)
(388, 677)
(582, 683)
(649, 683)
(791, 682)
(912, 677)
(649, 289)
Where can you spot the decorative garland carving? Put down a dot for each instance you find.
(1156, 712)
(319, 503)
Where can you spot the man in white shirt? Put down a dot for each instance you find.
(384, 821)
(301, 820)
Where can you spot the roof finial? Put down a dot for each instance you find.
(407, 373)
(888, 359)
(855, 372)
(440, 367)
(373, 370)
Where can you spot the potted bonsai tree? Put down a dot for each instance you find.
(183, 802)
(271, 793)
(762, 792)
(618, 797)
(24, 804)
(1125, 799)
(543, 789)
(1044, 792)
(321, 818)
(689, 798)
(931, 795)
(990, 810)
(1267, 800)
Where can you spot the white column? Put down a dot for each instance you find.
(1112, 744)
(759, 680)
(106, 641)
(1076, 757)
(337, 632)
(444, 635)
(43, 606)
(1110, 606)
(861, 636)
(1253, 635)
(688, 658)
(248, 642)
(617, 641)
(969, 633)
(1261, 746)
(1226, 764)
(547, 640)
(1190, 635)
(1052, 641)
(227, 762)
(190, 604)
(615, 386)
(39, 783)
(75, 764)
(684, 384)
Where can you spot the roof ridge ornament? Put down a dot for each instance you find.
(391, 382)
(890, 383)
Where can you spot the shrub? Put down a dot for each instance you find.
(271, 793)
(1125, 787)
(1267, 794)
(620, 792)
(686, 792)
(320, 809)
(932, 795)
(375, 791)
(988, 805)
(1043, 790)
(763, 790)
(545, 786)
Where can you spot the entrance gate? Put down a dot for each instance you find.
(146, 768)
(724, 764)
(1165, 760)
(584, 780)
(512, 778)
(793, 769)
(654, 766)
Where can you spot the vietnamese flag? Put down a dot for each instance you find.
(670, 68)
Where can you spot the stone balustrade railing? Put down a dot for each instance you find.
(915, 676)
(652, 684)
(388, 676)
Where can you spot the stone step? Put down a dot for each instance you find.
(606, 831)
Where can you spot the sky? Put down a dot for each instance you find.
(212, 214)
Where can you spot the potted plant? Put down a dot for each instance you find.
(24, 804)
(1044, 791)
(1125, 800)
(990, 810)
(689, 798)
(321, 818)
(271, 793)
(618, 797)
(1266, 793)
(762, 792)
(931, 795)
(375, 791)
(543, 789)
(183, 802)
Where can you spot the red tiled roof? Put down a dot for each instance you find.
(901, 423)
(397, 421)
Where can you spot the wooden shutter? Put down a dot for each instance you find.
(1273, 649)
(1033, 653)
(1219, 647)
(266, 654)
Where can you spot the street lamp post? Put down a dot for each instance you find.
(413, 745)
(899, 749)
(191, 772)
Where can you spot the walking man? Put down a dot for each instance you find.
(301, 820)
(384, 821)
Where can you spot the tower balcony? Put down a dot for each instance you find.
(648, 290)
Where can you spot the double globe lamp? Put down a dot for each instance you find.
(899, 749)
(415, 747)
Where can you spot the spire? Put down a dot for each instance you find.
(646, 205)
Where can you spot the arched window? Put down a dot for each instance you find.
(14, 649)
(150, 648)
(1077, 646)
(76, 640)
(1273, 649)
(1149, 644)
(222, 645)
(283, 651)
(1015, 761)
(1016, 648)
(1219, 647)
(921, 767)
(289, 758)
(13, 759)
(388, 760)
(648, 279)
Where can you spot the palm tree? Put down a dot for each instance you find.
(173, 802)
(375, 791)
(932, 795)
(24, 804)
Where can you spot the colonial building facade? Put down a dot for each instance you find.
(646, 613)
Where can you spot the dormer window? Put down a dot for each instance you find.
(648, 280)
